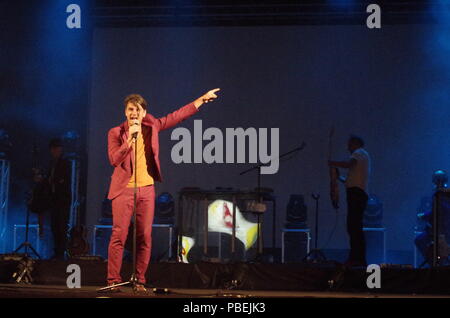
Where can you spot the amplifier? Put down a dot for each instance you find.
(295, 245)
(375, 245)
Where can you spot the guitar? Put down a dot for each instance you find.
(78, 244)
(334, 176)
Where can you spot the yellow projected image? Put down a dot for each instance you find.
(187, 243)
(220, 219)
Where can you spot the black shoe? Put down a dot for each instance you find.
(140, 289)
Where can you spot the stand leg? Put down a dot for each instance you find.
(423, 263)
(315, 255)
(259, 235)
(180, 229)
(27, 244)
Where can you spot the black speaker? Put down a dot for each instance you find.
(373, 215)
(375, 245)
(440, 226)
(296, 212)
(295, 246)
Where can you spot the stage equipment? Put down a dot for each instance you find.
(440, 179)
(5, 148)
(161, 291)
(4, 195)
(375, 244)
(164, 209)
(433, 230)
(24, 270)
(295, 244)
(296, 212)
(295, 237)
(71, 152)
(78, 245)
(220, 210)
(441, 227)
(27, 245)
(258, 169)
(334, 175)
(316, 255)
(5, 144)
(71, 140)
(373, 214)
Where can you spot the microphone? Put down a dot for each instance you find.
(135, 123)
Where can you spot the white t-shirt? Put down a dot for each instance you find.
(358, 175)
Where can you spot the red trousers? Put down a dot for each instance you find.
(122, 210)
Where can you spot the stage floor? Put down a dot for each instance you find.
(60, 291)
(207, 279)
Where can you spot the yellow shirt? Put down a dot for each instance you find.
(143, 177)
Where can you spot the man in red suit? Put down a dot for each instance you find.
(139, 130)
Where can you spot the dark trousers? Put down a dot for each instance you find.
(356, 204)
(59, 224)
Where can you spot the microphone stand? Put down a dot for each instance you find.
(133, 279)
(316, 254)
(26, 244)
(258, 167)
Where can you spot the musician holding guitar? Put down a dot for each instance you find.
(60, 196)
(357, 195)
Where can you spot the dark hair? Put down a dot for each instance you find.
(357, 140)
(135, 99)
(55, 142)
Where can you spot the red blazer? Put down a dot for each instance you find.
(121, 156)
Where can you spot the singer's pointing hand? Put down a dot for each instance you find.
(208, 97)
